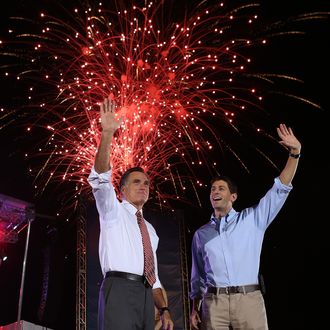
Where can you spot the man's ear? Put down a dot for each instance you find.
(233, 197)
(122, 190)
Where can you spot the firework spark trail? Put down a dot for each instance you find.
(173, 84)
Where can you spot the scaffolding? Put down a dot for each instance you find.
(81, 290)
(184, 274)
(81, 276)
(15, 215)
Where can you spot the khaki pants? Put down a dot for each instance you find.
(235, 311)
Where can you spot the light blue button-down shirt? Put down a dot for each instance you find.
(228, 253)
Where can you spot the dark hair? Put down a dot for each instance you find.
(124, 177)
(231, 184)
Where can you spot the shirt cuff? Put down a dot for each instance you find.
(281, 185)
(95, 178)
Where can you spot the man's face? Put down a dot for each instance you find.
(136, 189)
(221, 198)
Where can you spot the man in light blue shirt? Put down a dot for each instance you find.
(226, 251)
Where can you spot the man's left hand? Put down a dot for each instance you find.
(167, 321)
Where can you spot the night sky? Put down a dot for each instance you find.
(292, 261)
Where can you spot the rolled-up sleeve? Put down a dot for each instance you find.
(104, 193)
(270, 205)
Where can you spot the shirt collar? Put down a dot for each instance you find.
(227, 217)
(130, 207)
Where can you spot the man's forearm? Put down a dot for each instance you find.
(159, 298)
(196, 304)
(290, 168)
(102, 158)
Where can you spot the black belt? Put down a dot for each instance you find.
(233, 289)
(128, 276)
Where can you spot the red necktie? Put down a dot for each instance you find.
(149, 263)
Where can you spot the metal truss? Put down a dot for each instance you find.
(184, 273)
(81, 289)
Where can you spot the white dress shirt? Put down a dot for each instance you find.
(120, 244)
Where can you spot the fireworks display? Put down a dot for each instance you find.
(179, 76)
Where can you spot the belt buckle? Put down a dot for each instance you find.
(232, 289)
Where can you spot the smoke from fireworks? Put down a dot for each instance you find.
(179, 82)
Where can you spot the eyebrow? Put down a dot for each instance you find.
(139, 180)
(218, 186)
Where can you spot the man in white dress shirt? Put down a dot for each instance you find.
(126, 299)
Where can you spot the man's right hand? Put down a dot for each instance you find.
(195, 320)
(109, 122)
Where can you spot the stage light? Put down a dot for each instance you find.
(14, 216)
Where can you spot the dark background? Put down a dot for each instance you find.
(293, 261)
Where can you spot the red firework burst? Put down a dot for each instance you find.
(175, 83)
